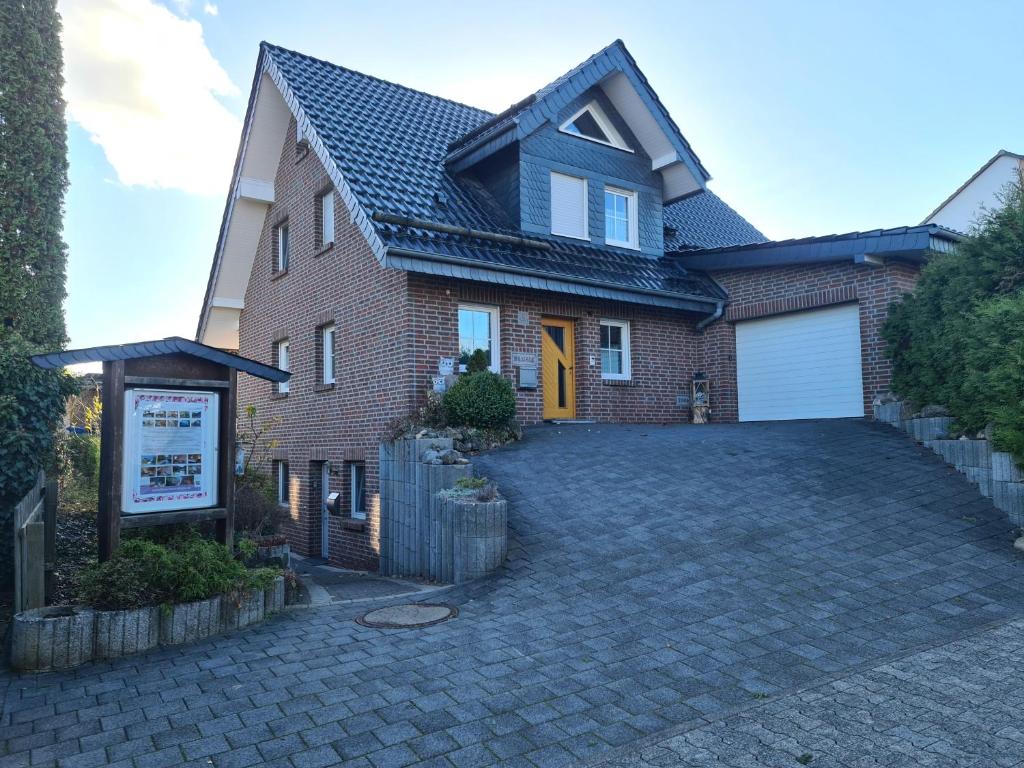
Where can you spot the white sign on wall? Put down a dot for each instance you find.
(170, 450)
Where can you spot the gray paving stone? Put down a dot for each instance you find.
(657, 577)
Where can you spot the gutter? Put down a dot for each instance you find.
(550, 276)
(719, 311)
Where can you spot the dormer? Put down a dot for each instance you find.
(591, 158)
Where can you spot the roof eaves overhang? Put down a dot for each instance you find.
(453, 267)
(265, 65)
(170, 345)
(913, 245)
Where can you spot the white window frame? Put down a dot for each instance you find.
(586, 207)
(283, 361)
(632, 218)
(283, 484)
(627, 365)
(327, 334)
(356, 514)
(617, 142)
(492, 311)
(326, 212)
(283, 254)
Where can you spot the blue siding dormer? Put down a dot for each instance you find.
(549, 149)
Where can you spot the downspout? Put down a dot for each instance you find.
(719, 311)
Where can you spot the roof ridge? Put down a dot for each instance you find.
(273, 47)
(527, 101)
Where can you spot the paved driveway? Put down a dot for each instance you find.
(662, 578)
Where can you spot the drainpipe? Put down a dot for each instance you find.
(719, 311)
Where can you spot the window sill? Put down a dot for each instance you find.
(278, 274)
(321, 387)
(278, 395)
(351, 524)
(617, 383)
(324, 249)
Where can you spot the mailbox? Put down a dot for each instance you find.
(527, 377)
(333, 503)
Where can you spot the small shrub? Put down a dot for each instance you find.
(257, 512)
(484, 400)
(479, 488)
(186, 568)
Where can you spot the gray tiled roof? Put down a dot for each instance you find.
(390, 142)
(168, 346)
(703, 220)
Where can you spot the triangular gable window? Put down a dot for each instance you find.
(592, 123)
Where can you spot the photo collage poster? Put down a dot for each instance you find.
(170, 450)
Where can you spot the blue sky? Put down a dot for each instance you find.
(811, 117)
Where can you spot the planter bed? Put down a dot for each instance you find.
(56, 638)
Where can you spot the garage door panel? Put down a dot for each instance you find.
(805, 365)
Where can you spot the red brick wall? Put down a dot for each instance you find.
(664, 346)
(346, 285)
(771, 291)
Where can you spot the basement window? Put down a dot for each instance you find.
(283, 482)
(357, 485)
(592, 124)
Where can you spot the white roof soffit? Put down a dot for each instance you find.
(252, 194)
(678, 180)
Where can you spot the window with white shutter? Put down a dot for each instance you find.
(569, 206)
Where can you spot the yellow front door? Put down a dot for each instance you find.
(558, 356)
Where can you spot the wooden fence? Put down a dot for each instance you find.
(35, 539)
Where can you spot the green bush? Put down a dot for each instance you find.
(484, 400)
(958, 340)
(144, 573)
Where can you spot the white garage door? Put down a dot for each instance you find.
(800, 366)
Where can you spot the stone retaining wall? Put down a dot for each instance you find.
(994, 472)
(422, 535)
(55, 638)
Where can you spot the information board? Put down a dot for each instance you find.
(170, 450)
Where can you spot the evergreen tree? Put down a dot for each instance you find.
(958, 340)
(33, 179)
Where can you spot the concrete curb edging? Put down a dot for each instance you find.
(45, 639)
(994, 472)
(55, 638)
(122, 633)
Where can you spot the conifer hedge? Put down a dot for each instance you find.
(958, 340)
(33, 179)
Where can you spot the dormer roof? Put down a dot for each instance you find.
(614, 70)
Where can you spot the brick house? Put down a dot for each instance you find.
(372, 230)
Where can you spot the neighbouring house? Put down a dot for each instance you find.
(981, 191)
(372, 230)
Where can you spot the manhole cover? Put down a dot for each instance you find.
(407, 616)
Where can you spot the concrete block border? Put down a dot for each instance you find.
(55, 638)
(995, 473)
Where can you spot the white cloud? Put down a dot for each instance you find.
(211, 9)
(143, 84)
